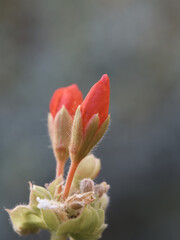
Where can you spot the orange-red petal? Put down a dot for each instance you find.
(70, 97)
(97, 101)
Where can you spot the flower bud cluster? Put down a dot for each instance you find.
(72, 208)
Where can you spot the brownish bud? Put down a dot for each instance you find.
(75, 205)
(101, 188)
(86, 185)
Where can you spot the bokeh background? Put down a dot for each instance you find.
(49, 44)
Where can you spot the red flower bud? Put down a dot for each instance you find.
(63, 105)
(96, 101)
(70, 97)
(89, 125)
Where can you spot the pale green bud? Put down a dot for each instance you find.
(89, 167)
(25, 220)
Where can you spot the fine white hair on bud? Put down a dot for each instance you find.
(48, 204)
(86, 185)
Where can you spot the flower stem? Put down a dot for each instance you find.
(70, 176)
(59, 168)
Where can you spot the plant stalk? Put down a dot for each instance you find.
(70, 176)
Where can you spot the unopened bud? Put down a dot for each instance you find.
(101, 188)
(86, 185)
(25, 220)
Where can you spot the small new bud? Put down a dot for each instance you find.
(86, 185)
(101, 188)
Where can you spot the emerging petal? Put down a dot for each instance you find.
(97, 101)
(70, 97)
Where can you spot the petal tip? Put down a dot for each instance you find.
(105, 80)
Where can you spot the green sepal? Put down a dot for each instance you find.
(88, 226)
(82, 143)
(76, 135)
(104, 201)
(100, 133)
(61, 134)
(90, 131)
(37, 191)
(101, 202)
(51, 219)
(62, 125)
(25, 221)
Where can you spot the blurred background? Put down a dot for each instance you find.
(45, 45)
